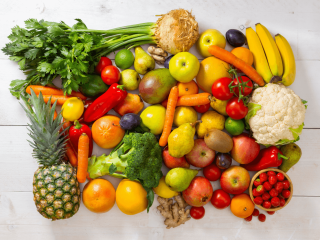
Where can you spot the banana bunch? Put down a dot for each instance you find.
(273, 59)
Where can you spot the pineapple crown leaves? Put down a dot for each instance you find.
(49, 143)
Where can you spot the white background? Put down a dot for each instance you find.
(298, 21)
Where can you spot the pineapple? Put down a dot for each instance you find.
(55, 187)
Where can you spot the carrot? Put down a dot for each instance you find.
(230, 58)
(171, 106)
(55, 115)
(83, 152)
(71, 155)
(194, 99)
(61, 99)
(88, 177)
(52, 91)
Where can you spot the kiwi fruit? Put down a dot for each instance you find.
(218, 141)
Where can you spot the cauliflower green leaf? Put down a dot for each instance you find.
(304, 102)
(252, 110)
(296, 132)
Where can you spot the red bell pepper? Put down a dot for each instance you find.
(75, 132)
(103, 104)
(268, 157)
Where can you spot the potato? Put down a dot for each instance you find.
(218, 141)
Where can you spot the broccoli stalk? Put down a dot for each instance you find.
(137, 157)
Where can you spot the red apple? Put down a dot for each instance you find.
(245, 149)
(199, 192)
(235, 180)
(173, 162)
(201, 155)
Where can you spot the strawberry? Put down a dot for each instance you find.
(275, 202)
(254, 192)
(255, 212)
(262, 217)
(272, 179)
(258, 200)
(266, 204)
(273, 192)
(271, 173)
(280, 177)
(282, 202)
(271, 212)
(279, 186)
(265, 196)
(286, 193)
(257, 182)
(248, 219)
(267, 186)
(286, 184)
(260, 190)
(263, 177)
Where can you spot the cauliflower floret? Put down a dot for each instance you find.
(280, 117)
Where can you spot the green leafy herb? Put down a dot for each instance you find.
(304, 102)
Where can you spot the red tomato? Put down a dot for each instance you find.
(104, 61)
(110, 75)
(247, 81)
(255, 212)
(220, 89)
(262, 217)
(236, 110)
(202, 108)
(248, 219)
(197, 212)
(286, 184)
(212, 172)
(220, 199)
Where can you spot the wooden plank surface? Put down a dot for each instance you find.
(298, 21)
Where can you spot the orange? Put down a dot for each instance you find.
(241, 205)
(244, 54)
(106, 131)
(99, 195)
(211, 69)
(187, 88)
(131, 197)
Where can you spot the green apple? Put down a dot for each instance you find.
(210, 37)
(153, 117)
(184, 67)
(130, 79)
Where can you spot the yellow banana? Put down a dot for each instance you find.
(288, 60)
(271, 50)
(259, 58)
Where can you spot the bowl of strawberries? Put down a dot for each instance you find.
(271, 189)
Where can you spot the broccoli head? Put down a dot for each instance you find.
(137, 157)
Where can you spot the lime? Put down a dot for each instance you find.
(124, 59)
(234, 127)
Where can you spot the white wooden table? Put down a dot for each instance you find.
(298, 21)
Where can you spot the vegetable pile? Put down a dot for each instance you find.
(238, 107)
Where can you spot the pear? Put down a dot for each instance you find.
(130, 79)
(293, 152)
(143, 62)
(219, 105)
(180, 141)
(179, 179)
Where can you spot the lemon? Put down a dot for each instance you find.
(184, 115)
(124, 59)
(163, 190)
(72, 109)
(131, 197)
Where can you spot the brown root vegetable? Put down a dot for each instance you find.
(177, 31)
(158, 58)
(174, 213)
(157, 51)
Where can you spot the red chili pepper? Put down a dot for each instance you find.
(75, 132)
(86, 104)
(268, 157)
(105, 102)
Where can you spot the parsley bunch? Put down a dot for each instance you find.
(45, 50)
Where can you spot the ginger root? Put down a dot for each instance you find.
(174, 213)
(158, 54)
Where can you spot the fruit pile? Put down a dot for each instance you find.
(271, 190)
(193, 117)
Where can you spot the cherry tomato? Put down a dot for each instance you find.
(220, 89)
(286, 184)
(286, 193)
(202, 108)
(110, 75)
(255, 212)
(280, 177)
(247, 89)
(236, 110)
(248, 219)
(212, 172)
(104, 61)
(275, 202)
(258, 200)
(197, 212)
(262, 217)
(266, 204)
(220, 199)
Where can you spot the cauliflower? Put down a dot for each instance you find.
(276, 115)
